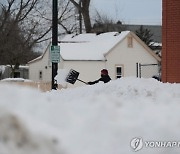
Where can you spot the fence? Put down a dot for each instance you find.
(36, 85)
(148, 70)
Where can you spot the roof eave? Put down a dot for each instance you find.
(40, 57)
(146, 47)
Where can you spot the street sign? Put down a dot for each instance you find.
(55, 54)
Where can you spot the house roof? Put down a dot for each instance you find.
(89, 46)
(40, 57)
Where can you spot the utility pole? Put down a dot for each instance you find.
(80, 19)
(54, 40)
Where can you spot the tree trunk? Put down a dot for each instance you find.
(87, 21)
(84, 9)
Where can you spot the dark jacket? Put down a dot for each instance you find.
(104, 78)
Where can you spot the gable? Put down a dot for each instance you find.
(139, 41)
(42, 56)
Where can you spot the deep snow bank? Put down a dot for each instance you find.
(16, 139)
(98, 119)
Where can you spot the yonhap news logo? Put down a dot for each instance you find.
(138, 143)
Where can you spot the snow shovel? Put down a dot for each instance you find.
(73, 76)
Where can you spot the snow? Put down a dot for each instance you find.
(2, 68)
(89, 46)
(157, 44)
(16, 80)
(79, 38)
(61, 77)
(97, 119)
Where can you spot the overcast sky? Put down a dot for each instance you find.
(131, 11)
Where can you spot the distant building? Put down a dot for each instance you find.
(171, 41)
(21, 72)
(156, 30)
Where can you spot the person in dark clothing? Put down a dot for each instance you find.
(104, 77)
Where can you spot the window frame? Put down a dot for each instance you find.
(121, 74)
(130, 42)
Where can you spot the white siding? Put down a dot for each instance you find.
(121, 54)
(89, 70)
(40, 65)
(128, 57)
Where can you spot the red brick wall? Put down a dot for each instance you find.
(171, 41)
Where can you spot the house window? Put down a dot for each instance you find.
(40, 75)
(16, 74)
(130, 42)
(119, 70)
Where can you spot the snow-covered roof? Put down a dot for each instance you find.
(157, 44)
(15, 80)
(79, 38)
(89, 46)
(2, 68)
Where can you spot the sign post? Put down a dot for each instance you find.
(55, 54)
(54, 42)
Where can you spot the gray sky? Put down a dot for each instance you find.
(131, 11)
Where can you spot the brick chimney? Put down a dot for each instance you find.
(171, 41)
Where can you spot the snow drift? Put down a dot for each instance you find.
(98, 119)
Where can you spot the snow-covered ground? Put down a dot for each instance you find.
(97, 119)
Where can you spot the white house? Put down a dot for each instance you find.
(89, 53)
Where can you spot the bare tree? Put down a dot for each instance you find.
(18, 32)
(83, 7)
(145, 35)
(24, 13)
(103, 23)
(31, 22)
(66, 15)
(14, 49)
(26, 23)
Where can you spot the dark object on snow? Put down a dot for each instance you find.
(104, 77)
(156, 77)
(73, 76)
(104, 71)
